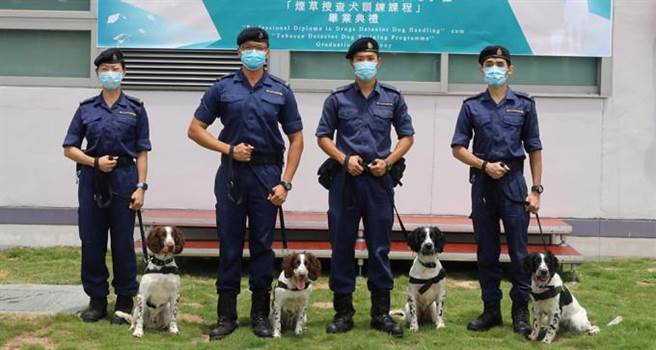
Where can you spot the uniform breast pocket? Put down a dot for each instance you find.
(126, 126)
(348, 121)
(93, 126)
(382, 120)
(513, 124)
(271, 105)
(231, 104)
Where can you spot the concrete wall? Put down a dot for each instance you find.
(599, 153)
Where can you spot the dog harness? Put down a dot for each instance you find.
(565, 295)
(427, 283)
(163, 269)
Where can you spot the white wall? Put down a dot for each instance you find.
(599, 154)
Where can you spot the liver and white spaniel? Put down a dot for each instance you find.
(552, 299)
(159, 289)
(427, 287)
(291, 296)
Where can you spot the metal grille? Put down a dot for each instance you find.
(159, 69)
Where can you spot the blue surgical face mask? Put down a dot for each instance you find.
(365, 70)
(253, 59)
(110, 80)
(495, 76)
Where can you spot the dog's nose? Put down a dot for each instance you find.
(429, 245)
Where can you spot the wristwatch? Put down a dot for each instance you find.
(537, 188)
(142, 185)
(286, 185)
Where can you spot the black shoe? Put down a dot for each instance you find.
(520, 318)
(260, 304)
(226, 310)
(380, 318)
(123, 304)
(96, 311)
(344, 311)
(490, 317)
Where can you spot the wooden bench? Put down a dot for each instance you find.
(308, 231)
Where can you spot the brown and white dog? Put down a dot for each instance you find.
(291, 296)
(159, 289)
(552, 299)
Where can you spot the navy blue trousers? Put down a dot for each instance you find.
(369, 199)
(94, 224)
(493, 200)
(231, 226)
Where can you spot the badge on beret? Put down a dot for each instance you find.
(260, 35)
(499, 52)
(370, 45)
(114, 57)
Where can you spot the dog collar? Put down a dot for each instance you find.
(284, 285)
(430, 265)
(565, 295)
(427, 283)
(164, 270)
(160, 262)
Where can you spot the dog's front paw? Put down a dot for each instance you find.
(533, 336)
(138, 333)
(414, 328)
(547, 339)
(174, 329)
(276, 334)
(299, 330)
(440, 324)
(593, 330)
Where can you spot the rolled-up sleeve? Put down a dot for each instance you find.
(143, 132)
(289, 117)
(75, 133)
(531, 131)
(463, 132)
(401, 120)
(208, 109)
(328, 121)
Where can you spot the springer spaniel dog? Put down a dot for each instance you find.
(291, 296)
(427, 287)
(159, 289)
(552, 299)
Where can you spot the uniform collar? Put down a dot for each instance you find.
(122, 100)
(510, 95)
(265, 80)
(377, 89)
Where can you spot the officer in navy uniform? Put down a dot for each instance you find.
(362, 113)
(250, 103)
(502, 121)
(111, 186)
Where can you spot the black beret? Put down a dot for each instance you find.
(112, 55)
(496, 51)
(253, 34)
(363, 44)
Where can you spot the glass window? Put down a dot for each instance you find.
(395, 66)
(531, 70)
(55, 5)
(45, 53)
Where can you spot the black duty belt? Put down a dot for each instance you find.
(514, 165)
(427, 283)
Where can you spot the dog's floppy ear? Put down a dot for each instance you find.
(288, 264)
(529, 263)
(413, 239)
(438, 238)
(154, 241)
(179, 240)
(552, 263)
(314, 266)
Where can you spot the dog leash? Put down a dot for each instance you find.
(143, 238)
(281, 214)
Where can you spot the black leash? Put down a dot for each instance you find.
(143, 238)
(281, 214)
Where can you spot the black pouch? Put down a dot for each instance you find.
(327, 172)
(397, 172)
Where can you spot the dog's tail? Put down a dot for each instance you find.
(397, 313)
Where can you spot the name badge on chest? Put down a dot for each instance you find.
(512, 110)
(384, 104)
(273, 92)
(132, 114)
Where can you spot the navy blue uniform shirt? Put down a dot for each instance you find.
(499, 131)
(121, 130)
(363, 125)
(251, 114)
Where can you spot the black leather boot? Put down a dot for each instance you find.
(490, 317)
(226, 311)
(260, 305)
(344, 311)
(380, 318)
(124, 304)
(96, 311)
(520, 318)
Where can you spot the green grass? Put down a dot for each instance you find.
(606, 289)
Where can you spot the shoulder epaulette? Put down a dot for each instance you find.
(523, 95)
(473, 97)
(390, 87)
(340, 89)
(88, 100)
(135, 100)
(225, 76)
(279, 80)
